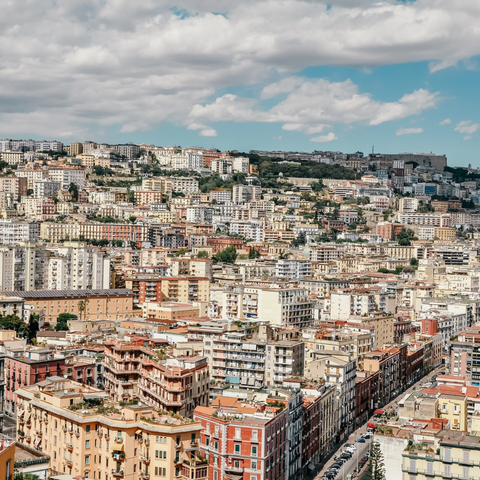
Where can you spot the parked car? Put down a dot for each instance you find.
(361, 440)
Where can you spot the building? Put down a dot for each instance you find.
(85, 434)
(246, 193)
(115, 304)
(177, 384)
(14, 231)
(27, 366)
(7, 459)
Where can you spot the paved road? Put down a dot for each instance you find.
(363, 447)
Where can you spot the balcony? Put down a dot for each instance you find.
(145, 475)
(145, 460)
(117, 473)
(70, 448)
(234, 468)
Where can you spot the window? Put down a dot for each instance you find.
(238, 433)
(87, 443)
(88, 428)
(254, 450)
(87, 460)
(215, 445)
(215, 475)
(237, 448)
(255, 435)
(253, 465)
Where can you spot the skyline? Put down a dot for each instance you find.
(298, 75)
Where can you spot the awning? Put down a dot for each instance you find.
(371, 425)
(379, 411)
(37, 441)
(27, 416)
(117, 446)
(138, 432)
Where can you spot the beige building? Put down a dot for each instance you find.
(87, 435)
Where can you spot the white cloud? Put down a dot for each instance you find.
(208, 132)
(313, 106)
(133, 65)
(467, 127)
(330, 137)
(408, 131)
(447, 121)
(467, 137)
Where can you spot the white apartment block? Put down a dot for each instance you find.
(186, 185)
(45, 188)
(293, 269)
(280, 306)
(13, 231)
(251, 230)
(408, 205)
(246, 193)
(222, 166)
(241, 165)
(345, 304)
(199, 214)
(431, 219)
(67, 175)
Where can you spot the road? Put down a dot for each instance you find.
(363, 447)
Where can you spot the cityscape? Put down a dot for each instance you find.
(240, 240)
(194, 313)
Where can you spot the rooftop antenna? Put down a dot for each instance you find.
(373, 149)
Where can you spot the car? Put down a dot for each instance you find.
(351, 449)
(336, 466)
(361, 440)
(367, 436)
(330, 475)
(345, 456)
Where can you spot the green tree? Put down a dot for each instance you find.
(12, 322)
(228, 255)
(413, 262)
(202, 254)
(253, 254)
(33, 327)
(376, 465)
(405, 237)
(132, 218)
(73, 189)
(181, 252)
(62, 321)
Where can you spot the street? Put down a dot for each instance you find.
(362, 448)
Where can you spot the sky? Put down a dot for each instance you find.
(302, 75)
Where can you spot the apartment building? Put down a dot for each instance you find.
(85, 434)
(14, 231)
(245, 439)
(339, 370)
(148, 288)
(177, 384)
(281, 306)
(65, 175)
(268, 358)
(111, 304)
(246, 193)
(346, 303)
(432, 219)
(13, 185)
(293, 269)
(27, 366)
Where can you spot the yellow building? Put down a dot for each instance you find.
(453, 408)
(87, 435)
(76, 148)
(7, 459)
(446, 233)
(452, 454)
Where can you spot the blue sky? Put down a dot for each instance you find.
(295, 75)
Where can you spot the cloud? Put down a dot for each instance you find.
(447, 121)
(467, 137)
(208, 132)
(130, 65)
(467, 127)
(330, 137)
(408, 131)
(313, 106)
(205, 130)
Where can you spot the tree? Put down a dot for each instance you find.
(253, 254)
(132, 218)
(300, 240)
(202, 254)
(62, 321)
(413, 262)
(228, 255)
(405, 237)
(33, 327)
(376, 465)
(73, 189)
(12, 322)
(81, 307)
